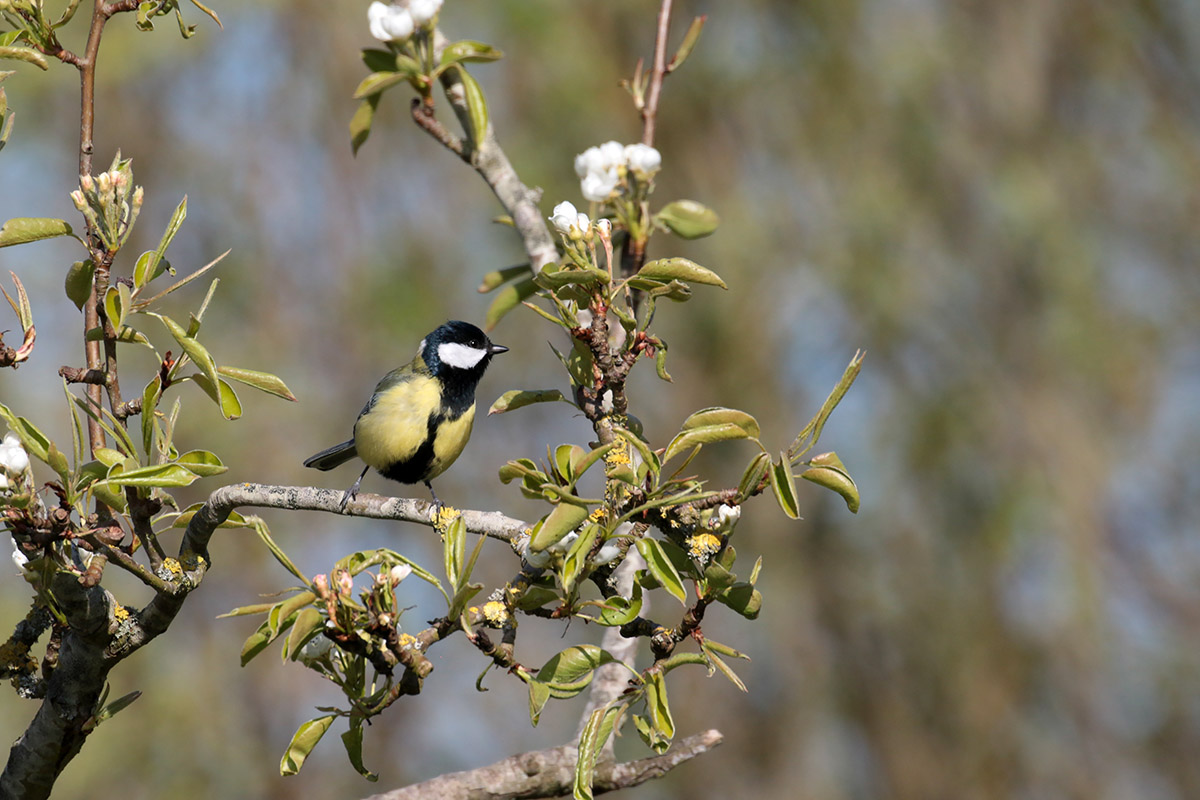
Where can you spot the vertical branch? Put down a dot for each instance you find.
(658, 71)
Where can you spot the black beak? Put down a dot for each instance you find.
(494, 348)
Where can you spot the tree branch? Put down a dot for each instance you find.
(551, 773)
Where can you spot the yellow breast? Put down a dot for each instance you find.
(396, 430)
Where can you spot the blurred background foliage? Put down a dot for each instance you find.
(996, 200)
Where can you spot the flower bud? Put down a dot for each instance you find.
(389, 23)
(643, 159)
(321, 584)
(86, 183)
(78, 199)
(139, 194)
(399, 573)
(104, 183)
(604, 226)
(564, 217)
(345, 583)
(423, 11)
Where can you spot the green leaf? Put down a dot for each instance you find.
(718, 415)
(719, 663)
(666, 269)
(202, 463)
(22, 230)
(27, 54)
(688, 219)
(556, 279)
(309, 624)
(377, 82)
(35, 443)
(519, 398)
(497, 278)
(150, 397)
(477, 109)
(466, 50)
(686, 440)
(116, 304)
(570, 671)
(379, 60)
(753, 475)
(656, 705)
(507, 299)
(306, 738)
(263, 381)
(360, 123)
(618, 610)
(539, 695)
(576, 558)
(742, 598)
(353, 741)
(827, 470)
(162, 475)
(688, 44)
(454, 550)
(660, 361)
(784, 487)
(222, 394)
(595, 734)
(154, 264)
(661, 568)
(565, 518)
(812, 431)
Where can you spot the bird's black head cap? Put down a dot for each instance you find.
(458, 353)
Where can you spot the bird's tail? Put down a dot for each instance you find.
(332, 457)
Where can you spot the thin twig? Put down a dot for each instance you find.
(657, 73)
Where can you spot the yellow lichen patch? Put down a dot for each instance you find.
(598, 514)
(121, 613)
(407, 640)
(445, 515)
(191, 561)
(703, 546)
(618, 455)
(495, 613)
(173, 566)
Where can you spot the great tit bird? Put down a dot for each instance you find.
(419, 418)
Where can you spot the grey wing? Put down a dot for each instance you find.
(333, 456)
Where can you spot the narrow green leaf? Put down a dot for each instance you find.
(222, 394)
(596, 733)
(752, 477)
(377, 82)
(27, 54)
(141, 304)
(507, 299)
(785, 487)
(656, 705)
(519, 398)
(360, 123)
(688, 44)
(150, 397)
(661, 568)
(497, 278)
(477, 109)
(812, 431)
(665, 269)
(263, 381)
(719, 663)
(306, 738)
(539, 695)
(353, 741)
(454, 550)
(22, 230)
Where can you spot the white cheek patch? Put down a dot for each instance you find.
(460, 355)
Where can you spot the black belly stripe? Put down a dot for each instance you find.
(416, 468)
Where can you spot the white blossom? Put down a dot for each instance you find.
(14, 461)
(19, 558)
(399, 573)
(599, 186)
(605, 227)
(643, 159)
(423, 11)
(389, 23)
(569, 221)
